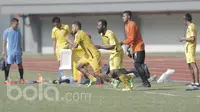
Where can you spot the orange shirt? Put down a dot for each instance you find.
(134, 38)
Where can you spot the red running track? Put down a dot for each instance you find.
(157, 65)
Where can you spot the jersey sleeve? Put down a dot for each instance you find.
(53, 34)
(77, 39)
(192, 31)
(67, 28)
(111, 38)
(131, 34)
(5, 35)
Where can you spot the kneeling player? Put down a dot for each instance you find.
(92, 55)
(116, 54)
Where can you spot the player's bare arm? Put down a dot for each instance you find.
(71, 42)
(4, 48)
(54, 45)
(191, 39)
(106, 47)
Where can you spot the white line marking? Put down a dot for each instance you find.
(165, 94)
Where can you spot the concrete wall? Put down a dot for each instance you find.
(32, 32)
(89, 24)
(160, 32)
(4, 23)
(97, 6)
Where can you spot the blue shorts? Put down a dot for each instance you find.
(14, 58)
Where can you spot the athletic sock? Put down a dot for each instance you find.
(128, 77)
(6, 74)
(91, 76)
(125, 81)
(21, 72)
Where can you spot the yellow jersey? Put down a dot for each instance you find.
(59, 34)
(191, 32)
(110, 39)
(83, 39)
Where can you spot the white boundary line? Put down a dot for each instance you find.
(165, 94)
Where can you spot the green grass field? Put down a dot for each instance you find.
(167, 97)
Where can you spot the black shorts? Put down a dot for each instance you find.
(139, 57)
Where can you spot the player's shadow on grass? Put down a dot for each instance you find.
(157, 89)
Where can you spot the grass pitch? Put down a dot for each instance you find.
(167, 97)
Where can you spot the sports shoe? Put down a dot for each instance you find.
(131, 81)
(197, 84)
(146, 84)
(115, 83)
(192, 85)
(126, 89)
(21, 81)
(93, 80)
(8, 82)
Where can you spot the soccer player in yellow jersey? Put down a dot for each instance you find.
(92, 54)
(116, 54)
(190, 48)
(59, 32)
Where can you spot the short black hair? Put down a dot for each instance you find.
(103, 22)
(129, 13)
(56, 20)
(77, 23)
(14, 20)
(188, 17)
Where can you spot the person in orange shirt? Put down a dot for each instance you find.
(135, 41)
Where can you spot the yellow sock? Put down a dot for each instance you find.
(111, 80)
(124, 81)
(128, 77)
(91, 76)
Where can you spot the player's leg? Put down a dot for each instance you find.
(6, 72)
(74, 63)
(190, 61)
(9, 62)
(58, 59)
(139, 58)
(121, 58)
(95, 64)
(195, 67)
(192, 73)
(195, 73)
(18, 59)
(75, 54)
(58, 56)
(82, 67)
(124, 79)
(115, 63)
